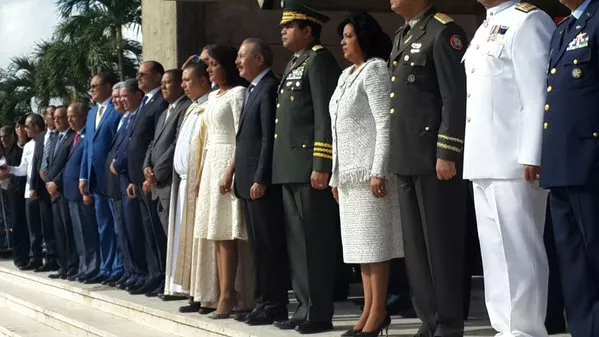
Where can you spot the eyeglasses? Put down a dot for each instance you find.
(140, 74)
(95, 86)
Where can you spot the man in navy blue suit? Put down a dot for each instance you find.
(570, 161)
(81, 207)
(101, 128)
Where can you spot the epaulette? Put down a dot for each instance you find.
(525, 7)
(317, 47)
(443, 18)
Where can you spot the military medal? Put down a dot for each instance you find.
(577, 73)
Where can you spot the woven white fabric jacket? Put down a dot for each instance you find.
(360, 118)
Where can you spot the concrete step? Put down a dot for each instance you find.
(72, 318)
(12, 324)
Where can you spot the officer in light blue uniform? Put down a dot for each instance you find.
(570, 160)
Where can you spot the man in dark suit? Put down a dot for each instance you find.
(428, 117)
(158, 164)
(100, 129)
(152, 106)
(63, 228)
(302, 163)
(130, 97)
(570, 158)
(262, 203)
(16, 199)
(39, 194)
(81, 207)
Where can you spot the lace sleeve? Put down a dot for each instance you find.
(238, 95)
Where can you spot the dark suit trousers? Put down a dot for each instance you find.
(266, 236)
(555, 300)
(85, 233)
(575, 214)
(34, 224)
(155, 237)
(47, 222)
(312, 219)
(116, 207)
(163, 201)
(433, 218)
(134, 232)
(68, 259)
(20, 231)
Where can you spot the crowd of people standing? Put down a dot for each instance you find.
(225, 185)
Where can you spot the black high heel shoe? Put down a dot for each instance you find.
(383, 327)
(351, 332)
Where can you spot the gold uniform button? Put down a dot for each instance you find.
(547, 107)
(392, 111)
(292, 98)
(549, 88)
(392, 95)
(546, 126)
(395, 63)
(303, 146)
(275, 136)
(553, 71)
(393, 79)
(595, 134)
(427, 129)
(575, 61)
(282, 91)
(276, 121)
(278, 105)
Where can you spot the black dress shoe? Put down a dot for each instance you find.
(263, 317)
(48, 266)
(314, 327)
(126, 283)
(95, 280)
(241, 316)
(111, 280)
(32, 265)
(168, 298)
(155, 293)
(206, 311)
(73, 277)
(191, 307)
(118, 282)
(135, 286)
(148, 287)
(289, 324)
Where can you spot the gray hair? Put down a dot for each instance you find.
(118, 86)
(131, 86)
(260, 47)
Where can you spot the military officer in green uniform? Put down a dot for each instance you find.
(302, 162)
(428, 118)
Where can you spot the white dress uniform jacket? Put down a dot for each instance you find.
(506, 73)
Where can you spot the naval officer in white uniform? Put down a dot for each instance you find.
(506, 71)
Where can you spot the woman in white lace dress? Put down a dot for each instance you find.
(366, 192)
(218, 213)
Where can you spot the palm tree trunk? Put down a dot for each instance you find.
(119, 41)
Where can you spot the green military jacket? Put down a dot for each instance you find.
(428, 95)
(303, 140)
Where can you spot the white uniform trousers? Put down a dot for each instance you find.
(172, 288)
(510, 217)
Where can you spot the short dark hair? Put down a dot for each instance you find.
(156, 67)
(177, 74)
(226, 56)
(373, 41)
(260, 47)
(107, 78)
(20, 120)
(8, 130)
(199, 68)
(37, 120)
(316, 28)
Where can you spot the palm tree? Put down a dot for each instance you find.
(97, 25)
(17, 89)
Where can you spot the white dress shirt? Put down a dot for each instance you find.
(25, 168)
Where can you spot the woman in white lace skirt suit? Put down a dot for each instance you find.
(218, 213)
(368, 204)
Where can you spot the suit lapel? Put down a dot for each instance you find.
(143, 110)
(569, 36)
(252, 98)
